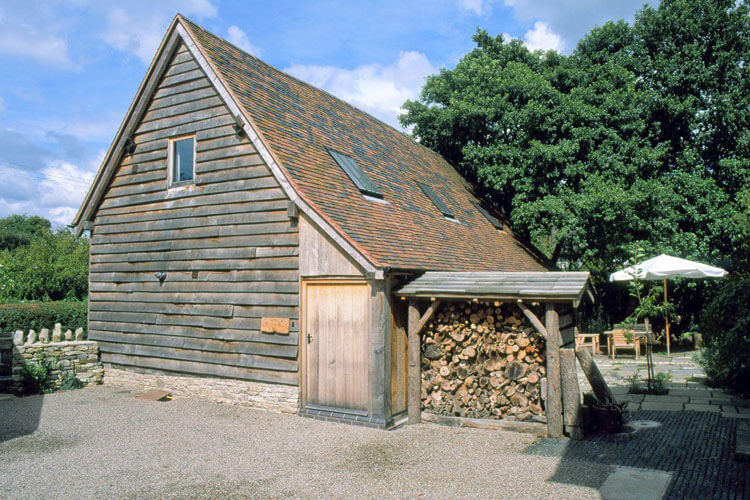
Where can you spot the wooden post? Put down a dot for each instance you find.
(666, 318)
(554, 391)
(594, 376)
(414, 392)
(380, 379)
(570, 394)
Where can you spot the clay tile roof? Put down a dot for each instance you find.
(299, 123)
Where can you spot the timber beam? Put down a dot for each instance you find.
(532, 318)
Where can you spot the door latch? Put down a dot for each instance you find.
(309, 338)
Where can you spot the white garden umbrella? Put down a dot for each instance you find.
(666, 266)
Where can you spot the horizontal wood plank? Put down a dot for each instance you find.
(238, 298)
(194, 221)
(201, 265)
(259, 240)
(218, 358)
(191, 212)
(233, 334)
(211, 345)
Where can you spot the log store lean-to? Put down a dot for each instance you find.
(480, 349)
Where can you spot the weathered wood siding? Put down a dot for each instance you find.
(321, 257)
(226, 244)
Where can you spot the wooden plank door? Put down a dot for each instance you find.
(336, 340)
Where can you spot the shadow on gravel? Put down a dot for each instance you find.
(19, 416)
(697, 448)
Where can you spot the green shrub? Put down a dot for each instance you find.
(38, 315)
(36, 375)
(70, 382)
(725, 325)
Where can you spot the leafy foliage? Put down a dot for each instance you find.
(70, 382)
(19, 230)
(38, 315)
(36, 375)
(725, 326)
(640, 136)
(52, 266)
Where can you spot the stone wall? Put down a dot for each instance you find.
(273, 397)
(75, 355)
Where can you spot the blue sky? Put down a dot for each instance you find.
(71, 67)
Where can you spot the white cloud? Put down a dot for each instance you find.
(51, 188)
(475, 6)
(375, 88)
(572, 19)
(21, 39)
(239, 38)
(542, 37)
(139, 26)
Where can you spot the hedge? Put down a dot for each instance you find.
(37, 315)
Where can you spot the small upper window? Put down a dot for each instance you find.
(183, 160)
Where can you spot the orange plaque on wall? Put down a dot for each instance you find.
(275, 325)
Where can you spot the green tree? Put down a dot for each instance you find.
(640, 137)
(18, 230)
(53, 266)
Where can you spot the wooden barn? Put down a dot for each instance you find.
(247, 226)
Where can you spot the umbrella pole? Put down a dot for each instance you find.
(666, 318)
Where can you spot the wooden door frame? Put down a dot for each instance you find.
(327, 280)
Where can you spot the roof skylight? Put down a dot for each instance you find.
(355, 173)
(427, 190)
(488, 216)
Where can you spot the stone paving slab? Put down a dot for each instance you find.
(691, 393)
(698, 401)
(633, 398)
(666, 398)
(721, 395)
(630, 483)
(702, 407)
(658, 406)
(739, 416)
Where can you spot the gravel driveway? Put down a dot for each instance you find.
(100, 442)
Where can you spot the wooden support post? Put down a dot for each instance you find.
(554, 391)
(414, 392)
(571, 394)
(594, 376)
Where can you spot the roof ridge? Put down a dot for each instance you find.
(311, 86)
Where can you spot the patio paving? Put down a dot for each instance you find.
(687, 390)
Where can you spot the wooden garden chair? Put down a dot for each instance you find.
(618, 339)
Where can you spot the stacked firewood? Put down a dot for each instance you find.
(482, 360)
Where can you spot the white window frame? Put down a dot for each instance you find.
(171, 160)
